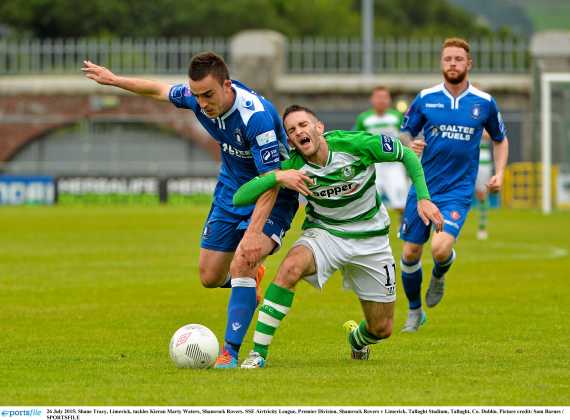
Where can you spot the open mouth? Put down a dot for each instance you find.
(304, 141)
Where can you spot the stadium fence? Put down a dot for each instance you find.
(306, 55)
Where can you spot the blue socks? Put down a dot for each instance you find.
(412, 281)
(439, 269)
(241, 308)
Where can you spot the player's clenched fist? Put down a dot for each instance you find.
(294, 180)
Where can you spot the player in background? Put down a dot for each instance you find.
(391, 179)
(252, 141)
(483, 176)
(346, 226)
(452, 116)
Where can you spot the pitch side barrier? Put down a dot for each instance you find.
(18, 190)
(48, 190)
(45, 190)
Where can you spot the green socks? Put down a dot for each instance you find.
(276, 304)
(483, 208)
(361, 337)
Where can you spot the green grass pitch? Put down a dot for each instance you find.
(91, 295)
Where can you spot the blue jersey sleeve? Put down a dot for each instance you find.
(495, 125)
(414, 119)
(181, 97)
(264, 142)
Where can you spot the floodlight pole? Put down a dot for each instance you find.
(367, 17)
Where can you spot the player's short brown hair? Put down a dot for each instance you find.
(380, 87)
(459, 43)
(206, 63)
(296, 108)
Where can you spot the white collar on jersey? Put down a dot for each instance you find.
(234, 105)
(453, 99)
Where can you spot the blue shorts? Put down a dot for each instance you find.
(413, 229)
(223, 230)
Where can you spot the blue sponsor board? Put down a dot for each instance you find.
(18, 190)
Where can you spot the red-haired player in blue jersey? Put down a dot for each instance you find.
(452, 116)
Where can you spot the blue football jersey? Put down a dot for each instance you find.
(452, 128)
(252, 141)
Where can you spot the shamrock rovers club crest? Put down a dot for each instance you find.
(347, 172)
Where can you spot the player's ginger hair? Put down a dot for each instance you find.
(457, 42)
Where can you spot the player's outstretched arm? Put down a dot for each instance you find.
(426, 209)
(291, 178)
(416, 173)
(104, 76)
(501, 156)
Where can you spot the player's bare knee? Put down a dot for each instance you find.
(210, 278)
(412, 253)
(240, 267)
(440, 253)
(289, 274)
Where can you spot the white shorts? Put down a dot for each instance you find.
(367, 265)
(392, 182)
(483, 176)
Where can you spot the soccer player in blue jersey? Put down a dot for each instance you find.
(252, 140)
(452, 116)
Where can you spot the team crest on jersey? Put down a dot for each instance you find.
(347, 172)
(310, 233)
(476, 111)
(455, 215)
(248, 103)
(239, 137)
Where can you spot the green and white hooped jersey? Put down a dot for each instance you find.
(344, 200)
(388, 123)
(485, 152)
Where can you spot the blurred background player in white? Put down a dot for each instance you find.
(481, 189)
(392, 181)
(452, 116)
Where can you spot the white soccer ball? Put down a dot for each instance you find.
(194, 346)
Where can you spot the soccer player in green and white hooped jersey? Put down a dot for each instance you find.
(345, 229)
(484, 174)
(391, 179)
